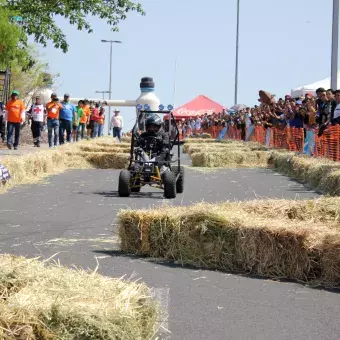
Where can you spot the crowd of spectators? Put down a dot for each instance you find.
(63, 121)
(308, 112)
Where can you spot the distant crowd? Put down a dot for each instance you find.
(310, 112)
(64, 121)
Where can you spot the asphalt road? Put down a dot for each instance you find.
(74, 215)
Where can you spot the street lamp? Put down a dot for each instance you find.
(103, 92)
(335, 42)
(110, 84)
(237, 39)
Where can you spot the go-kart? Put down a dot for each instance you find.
(145, 169)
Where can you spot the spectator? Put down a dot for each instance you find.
(94, 121)
(336, 114)
(117, 125)
(2, 122)
(83, 120)
(37, 113)
(76, 120)
(101, 121)
(327, 107)
(53, 108)
(66, 116)
(15, 118)
(87, 111)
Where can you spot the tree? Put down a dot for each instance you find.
(33, 78)
(39, 16)
(13, 40)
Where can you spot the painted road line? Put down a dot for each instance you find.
(162, 296)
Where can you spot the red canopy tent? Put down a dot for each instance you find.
(197, 107)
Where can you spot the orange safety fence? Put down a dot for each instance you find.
(290, 138)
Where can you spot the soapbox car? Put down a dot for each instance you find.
(145, 168)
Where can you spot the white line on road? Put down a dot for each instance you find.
(162, 295)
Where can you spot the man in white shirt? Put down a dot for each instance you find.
(117, 124)
(37, 113)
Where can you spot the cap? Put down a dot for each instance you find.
(66, 95)
(16, 92)
(116, 110)
(53, 94)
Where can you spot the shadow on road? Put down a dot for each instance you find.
(153, 195)
(171, 264)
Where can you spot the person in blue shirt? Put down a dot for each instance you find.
(66, 116)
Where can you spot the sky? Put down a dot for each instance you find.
(283, 45)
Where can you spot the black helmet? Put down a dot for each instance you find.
(153, 120)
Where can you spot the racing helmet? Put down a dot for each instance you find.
(153, 123)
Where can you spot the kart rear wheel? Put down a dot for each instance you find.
(169, 181)
(124, 188)
(180, 182)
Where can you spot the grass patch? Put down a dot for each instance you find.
(40, 301)
(266, 238)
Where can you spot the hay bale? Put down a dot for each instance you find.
(230, 158)
(104, 160)
(33, 167)
(109, 148)
(40, 301)
(233, 237)
(319, 173)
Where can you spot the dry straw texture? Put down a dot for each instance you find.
(230, 158)
(280, 239)
(319, 173)
(39, 301)
(31, 168)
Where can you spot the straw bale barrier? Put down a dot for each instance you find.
(319, 173)
(108, 148)
(266, 238)
(33, 167)
(230, 158)
(104, 160)
(251, 146)
(48, 301)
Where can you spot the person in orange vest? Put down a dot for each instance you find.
(53, 108)
(16, 114)
(101, 121)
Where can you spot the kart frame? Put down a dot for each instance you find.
(156, 179)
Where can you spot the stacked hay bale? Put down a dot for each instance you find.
(227, 154)
(319, 173)
(267, 238)
(32, 167)
(40, 301)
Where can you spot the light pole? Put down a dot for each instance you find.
(175, 83)
(335, 42)
(103, 92)
(110, 83)
(237, 39)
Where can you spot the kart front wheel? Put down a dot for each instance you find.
(169, 181)
(124, 188)
(180, 181)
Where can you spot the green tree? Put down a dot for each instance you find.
(39, 16)
(13, 40)
(34, 78)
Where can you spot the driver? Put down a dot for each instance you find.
(153, 130)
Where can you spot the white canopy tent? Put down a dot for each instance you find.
(311, 88)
